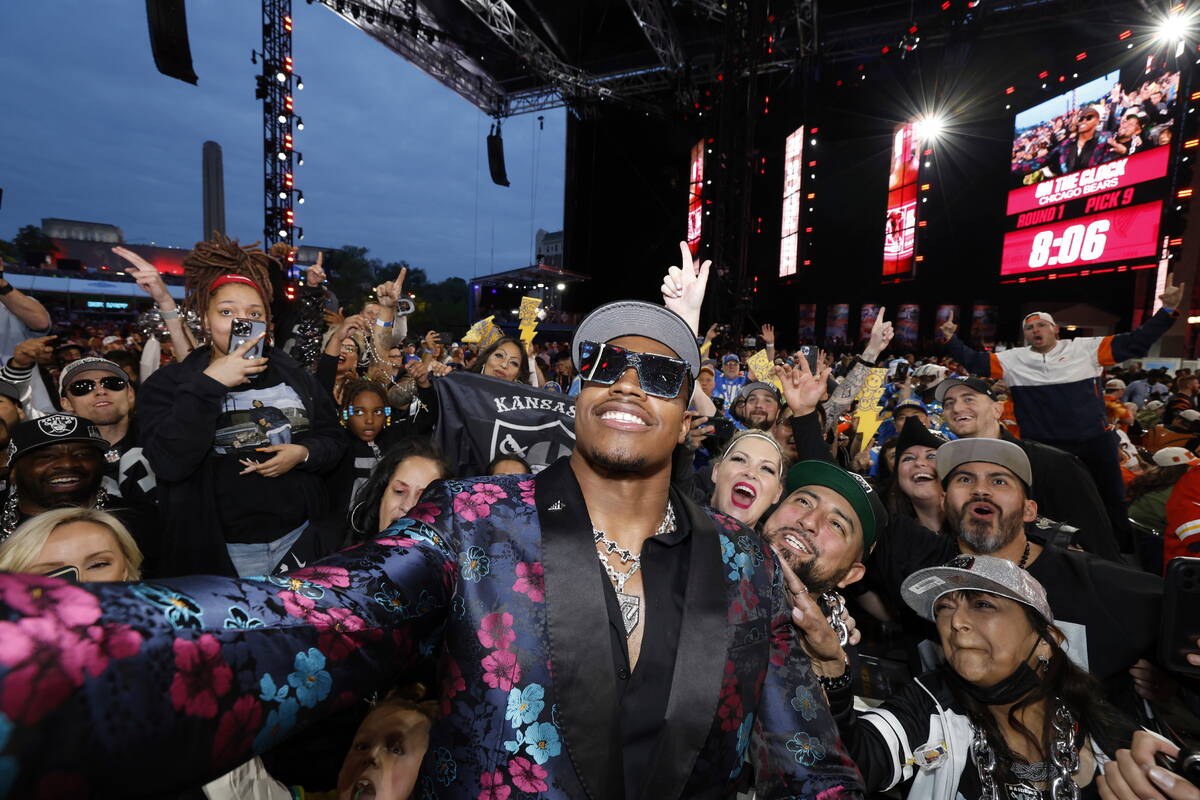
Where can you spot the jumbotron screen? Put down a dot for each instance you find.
(1089, 176)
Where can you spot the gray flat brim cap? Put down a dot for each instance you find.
(638, 318)
(990, 451)
(998, 576)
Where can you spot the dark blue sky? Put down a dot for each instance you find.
(393, 161)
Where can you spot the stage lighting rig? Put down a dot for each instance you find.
(274, 87)
(1173, 28)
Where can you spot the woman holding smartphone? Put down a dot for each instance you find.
(238, 433)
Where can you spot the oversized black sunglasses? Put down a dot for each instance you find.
(86, 385)
(660, 376)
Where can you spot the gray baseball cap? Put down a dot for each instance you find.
(997, 576)
(89, 364)
(638, 318)
(744, 393)
(990, 451)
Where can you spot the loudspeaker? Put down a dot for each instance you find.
(495, 148)
(169, 39)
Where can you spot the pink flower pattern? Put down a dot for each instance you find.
(236, 729)
(340, 632)
(531, 580)
(329, 577)
(527, 495)
(496, 630)
(494, 787)
(34, 595)
(471, 507)
(527, 776)
(501, 669)
(425, 512)
(202, 677)
(452, 683)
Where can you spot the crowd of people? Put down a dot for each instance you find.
(1121, 123)
(253, 555)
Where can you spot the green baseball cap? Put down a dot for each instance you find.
(855, 489)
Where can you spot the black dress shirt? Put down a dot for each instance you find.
(643, 692)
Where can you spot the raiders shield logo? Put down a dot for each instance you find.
(539, 445)
(58, 425)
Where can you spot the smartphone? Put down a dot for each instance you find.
(901, 371)
(1181, 616)
(446, 339)
(810, 355)
(71, 573)
(245, 330)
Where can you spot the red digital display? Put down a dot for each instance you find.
(695, 218)
(789, 229)
(900, 223)
(1089, 174)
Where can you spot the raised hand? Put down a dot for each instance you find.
(881, 336)
(1173, 294)
(948, 328)
(234, 369)
(333, 319)
(390, 292)
(802, 389)
(768, 334)
(33, 351)
(147, 277)
(683, 287)
(814, 633)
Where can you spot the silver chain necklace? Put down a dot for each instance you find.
(1064, 761)
(631, 605)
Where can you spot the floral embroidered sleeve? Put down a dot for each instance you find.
(795, 745)
(171, 683)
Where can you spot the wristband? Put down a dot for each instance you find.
(8, 287)
(840, 682)
(167, 316)
(383, 324)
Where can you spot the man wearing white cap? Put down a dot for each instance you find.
(1057, 395)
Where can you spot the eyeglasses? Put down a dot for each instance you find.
(660, 376)
(86, 385)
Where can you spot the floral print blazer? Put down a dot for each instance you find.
(136, 689)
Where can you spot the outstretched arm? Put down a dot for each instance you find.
(976, 363)
(683, 287)
(103, 681)
(1137, 342)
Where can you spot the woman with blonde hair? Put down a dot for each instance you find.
(83, 544)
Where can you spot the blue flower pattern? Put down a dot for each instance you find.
(300, 587)
(310, 680)
(808, 749)
(445, 766)
(542, 742)
(180, 610)
(475, 564)
(524, 705)
(804, 703)
(279, 723)
(8, 764)
(240, 618)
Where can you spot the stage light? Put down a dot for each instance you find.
(283, 195)
(299, 83)
(279, 76)
(299, 123)
(282, 156)
(929, 128)
(1173, 28)
(282, 234)
(282, 119)
(561, 287)
(300, 198)
(299, 160)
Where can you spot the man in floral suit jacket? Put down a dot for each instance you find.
(552, 682)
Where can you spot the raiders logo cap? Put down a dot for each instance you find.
(997, 576)
(861, 495)
(53, 429)
(638, 318)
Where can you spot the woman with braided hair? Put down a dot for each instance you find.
(239, 444)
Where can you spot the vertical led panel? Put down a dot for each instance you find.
(900, 222)
(695, 197)
(789, 228)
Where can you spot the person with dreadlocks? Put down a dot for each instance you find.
(236, 495)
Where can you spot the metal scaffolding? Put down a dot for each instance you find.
(275, 89)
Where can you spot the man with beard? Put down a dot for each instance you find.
(824, 527)
(1063, 489)
(1108, 612)
(654, 673)
(757, 406)
(99, 391)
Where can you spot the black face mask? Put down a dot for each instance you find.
(1021, 682)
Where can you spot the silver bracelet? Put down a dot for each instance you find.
(168, 315)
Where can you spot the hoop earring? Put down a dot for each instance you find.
(353, 516)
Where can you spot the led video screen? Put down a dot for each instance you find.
(1089, 176)
(695, 218)
(789, 228)
(900, 222)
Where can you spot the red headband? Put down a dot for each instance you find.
(242, 279)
